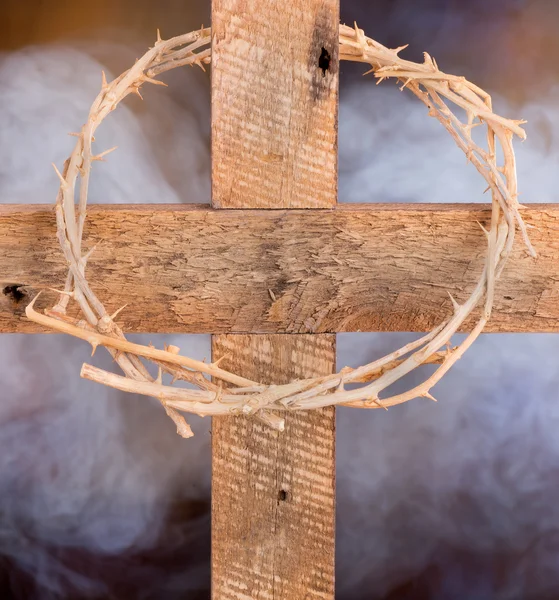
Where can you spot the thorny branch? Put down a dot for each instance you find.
(438, 91)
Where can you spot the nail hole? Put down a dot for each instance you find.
(14, 293)
(282, 496)
(324, 61)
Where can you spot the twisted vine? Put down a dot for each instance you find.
(233, 393)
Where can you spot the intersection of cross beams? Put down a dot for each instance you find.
(276, 285)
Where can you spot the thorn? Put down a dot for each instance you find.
(154, 81)
(87, 256)
(114, 315)
(370, 71)
(381, 405)
(100, 157)
(399, 49)
(428, 395)
(94, 347)
(159, 379)
(71, 294)
(483, 229)
(454, 303)
(63, 182)
(175, 379)
(199, 63)
(32, 303)
(218, 361)
(427, 60)
(376, 401)
(359, 34)
(405, 84)
(104, 84)
(486, 190)
(158, 40)
(471, 126)
(136, 90)
(341, 387)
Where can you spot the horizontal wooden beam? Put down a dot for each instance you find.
(192, 269)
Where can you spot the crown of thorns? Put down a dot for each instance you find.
(234, 394)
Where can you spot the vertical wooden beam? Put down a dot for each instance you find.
(274, 145)
(272, 492)
(274, 103)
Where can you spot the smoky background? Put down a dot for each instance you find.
(98, 496)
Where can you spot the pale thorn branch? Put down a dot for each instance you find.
(438, 91)
(101, 156)
(455, 304)
(63, 182)
(125, 346)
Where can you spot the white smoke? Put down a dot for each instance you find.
(454, 499)
(391, 151)
(83, 466)
(46, 93)
(439, 495)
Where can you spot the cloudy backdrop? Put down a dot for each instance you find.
(438, 501)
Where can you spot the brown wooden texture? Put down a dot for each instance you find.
(273, 493)
(355, 268)
(274, 145)
(274, 103)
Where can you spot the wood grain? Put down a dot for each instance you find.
(274, 145)
(274, 141)
(273, 493)
(355, 268)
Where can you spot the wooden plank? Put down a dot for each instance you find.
(355, 268)
(274, 103)
(273, 493)
(274, 143)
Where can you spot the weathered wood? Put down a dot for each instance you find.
(355, 268)
(274, 145)
(274, 103)
(273, 493)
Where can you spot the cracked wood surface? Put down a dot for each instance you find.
(274, 145)
(192, 269)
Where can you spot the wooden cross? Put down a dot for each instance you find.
(275, 286)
